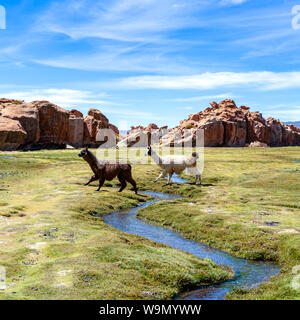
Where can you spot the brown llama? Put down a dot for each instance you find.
(106, 170)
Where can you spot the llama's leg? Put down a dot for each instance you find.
(101, 183)
(198, 176)
(132, 182)
(170, 177)
(93, 178)
(160, 176)
(122, 181)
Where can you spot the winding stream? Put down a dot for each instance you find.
(248, 274)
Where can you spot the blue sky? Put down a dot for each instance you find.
(142, 61)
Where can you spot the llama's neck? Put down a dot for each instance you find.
(156, 157)
(92, 161)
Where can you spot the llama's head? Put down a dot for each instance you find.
(148, 153)
(83, 153)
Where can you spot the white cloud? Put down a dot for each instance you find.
(261, 80)
(123, 20)
(231, 2)
(118, 58)
(63, 97)
(291, 113)
(202, 98)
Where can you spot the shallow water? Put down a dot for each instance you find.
(248, 274)
(296, 161)
(177, 179)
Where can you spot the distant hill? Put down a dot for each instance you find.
(295, 123)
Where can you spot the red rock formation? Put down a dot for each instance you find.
(28, 116)
(276, 131)
(75, 114)
(54, 123)
(94, 122)
(213, 132)
(114, 128)
(257, 128)
(151, 126)
(143, 136)
(76, 128)
(12, 135)
(258, 144)
(41, 124)
(225, 124)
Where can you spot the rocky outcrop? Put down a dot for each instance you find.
(54, 124)
(257, 128)
(76, 129)
(225, 124)
(257, 144)
(28, 116)
(41, 124)
(93, 123)
(143, 136)
(12, 135)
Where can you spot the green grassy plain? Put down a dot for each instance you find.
(53, 247)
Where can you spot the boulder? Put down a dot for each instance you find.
(151, 126)
(258, 144)
(75, 114)
(54, 124)
(140, 136)
(98, 115)
(12, 134)
(114, 128)
(235, 133)
(75, 132)
(213, 132)
(93, 123)
(276, 132)
(257, 128)
(28, 116)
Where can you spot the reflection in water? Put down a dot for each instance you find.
(248, 274)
